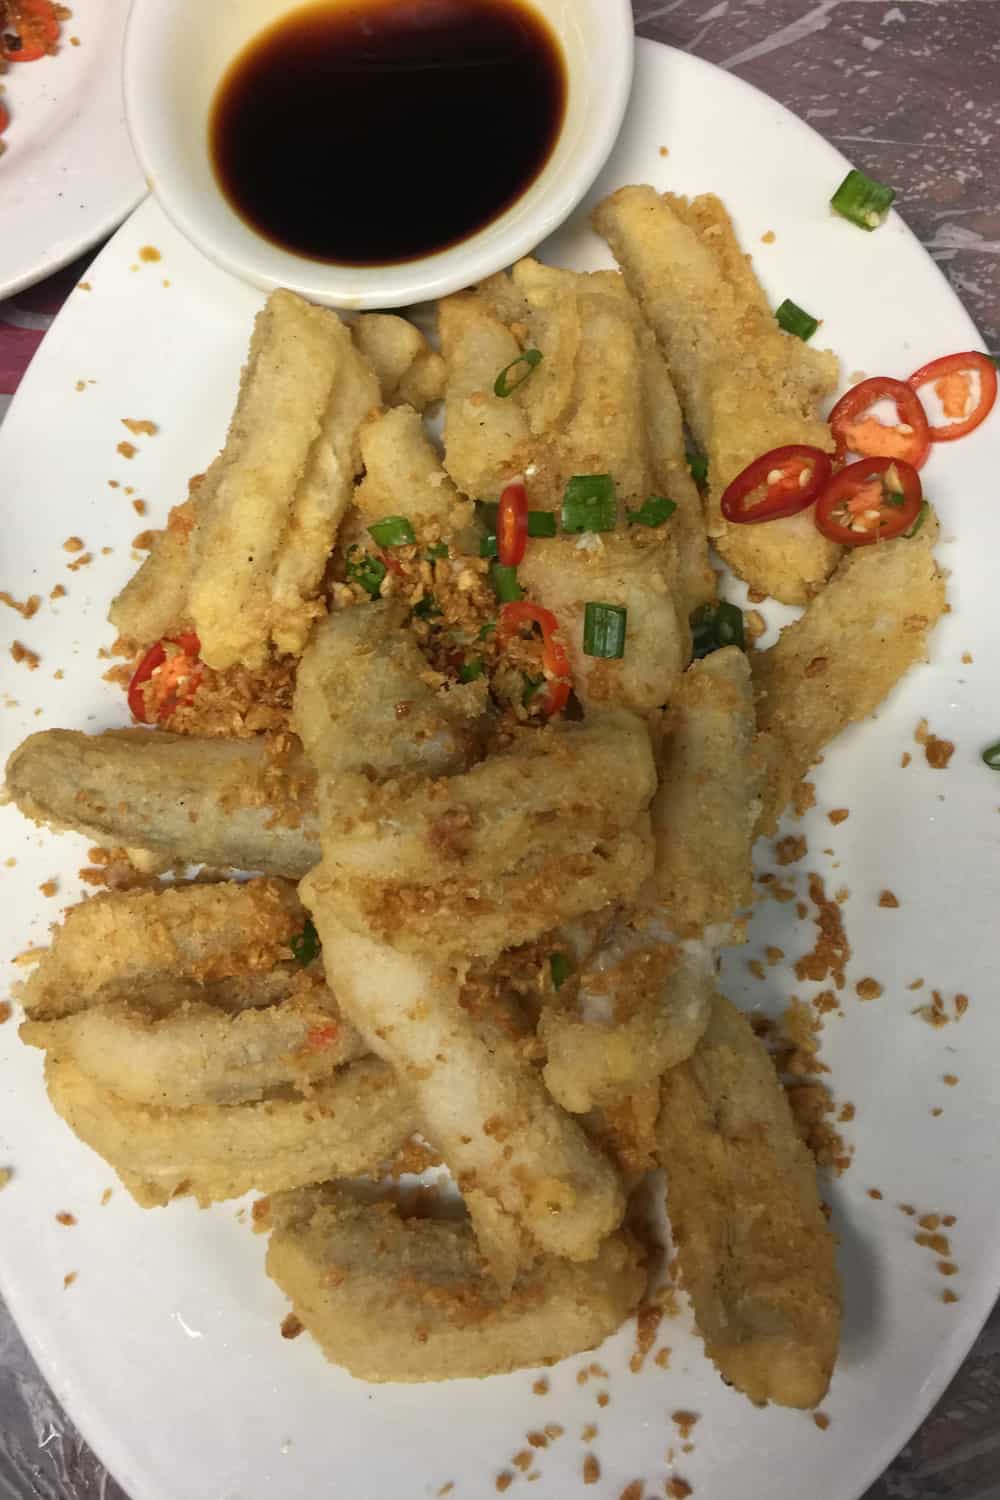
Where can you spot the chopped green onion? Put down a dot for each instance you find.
(366, 570)
(698, 464)
(488, 546)
(487, 630)
(471, 669)
(531, 686)
(793, 319)
(560, 968)
(436, 550)
(305, 944)
(508, 590)
(863, 200)
(426, 608)
(921, 518)
(541, 523)
(991, 756)
(393, 531)
(530, 359)
(895, 497)
(714, 626)
(604, 630)
(652, 512)
(589, 503)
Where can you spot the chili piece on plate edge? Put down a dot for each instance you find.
(555, 662)
(30, 31)
(170, 674)
(791, 476)
(512, 525)
(942, 374)
(856, 432)
(872, 500)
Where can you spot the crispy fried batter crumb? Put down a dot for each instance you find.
(967, 658)
(69, 1279)
(140, 426)
(553, 1431)
(66, 1218)
(774, 955)
(632, 1491)
(937, 1112)
(677, 1489)
(822, 1420)
(149, 253)
(906, 1208)
(5, 1176)
(522, 1460)
(140, 507)
(145, 541)
(291, 1327)
(888, 898)
(948, 1295)
(603, 1399)
(591, 1469)
(541, 1387)
(831, 951)
(755, 625)
(768, 238)
(803, 798)
(647, 1323)
(947, 1268)
(938, 752)
(49, 887)
(126, 449)
(868, 989)
(73, 544)
(58, 592)
(936, 1242)
(839, 814)
(106, 1197)
(846, 1113)
(25, 609)
(446, 1489)
(917, 984)
(874, 1193)
(905, 758)
(22, 653)
(686, 1421)
(538, 1440)
(950, 1079)
(662, 1357)
(5, 1011)
(756, 967)
(504, 1480)
(790, 849)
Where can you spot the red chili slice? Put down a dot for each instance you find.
(791, 477)
(555, 662)
(392, 563)
(910, 440)
(512, 525)
(30, 31)
(969, 363)
(870, 501)
(188, 650)
(4, 119)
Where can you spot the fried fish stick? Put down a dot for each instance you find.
(705, 811)
(756, 1256)
(113, 943)
(395, 1298)
(156, 1048)
(408, 370)
(223, 802)
(348, 1124)
(363, 702)
(268, 511)
(486, 437)
(457, 866)
(878, 608)
(404, 477)
(638, 1006)
(642, 576)
(478, 1098)
(746, 386)
(155, 599)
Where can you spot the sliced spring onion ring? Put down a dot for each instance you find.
(604, 629)
(862, 200)
(525, 364)
(652, 512)
(560, 968)
(991, 756)
(794, 319)
(392, 531)
(508, 590)
(714, 626)
(589, 503)
(305, 944)
(698, 464)
(471, 669)
(365, 570)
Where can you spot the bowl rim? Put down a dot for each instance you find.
(358, 288)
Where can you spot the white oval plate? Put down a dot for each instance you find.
(68, 175)
(166, 1348)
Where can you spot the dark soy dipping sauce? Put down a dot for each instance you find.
(374, 133)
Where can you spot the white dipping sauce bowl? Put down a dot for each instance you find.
(176, 54)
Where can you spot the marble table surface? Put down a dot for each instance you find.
(910, 91)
